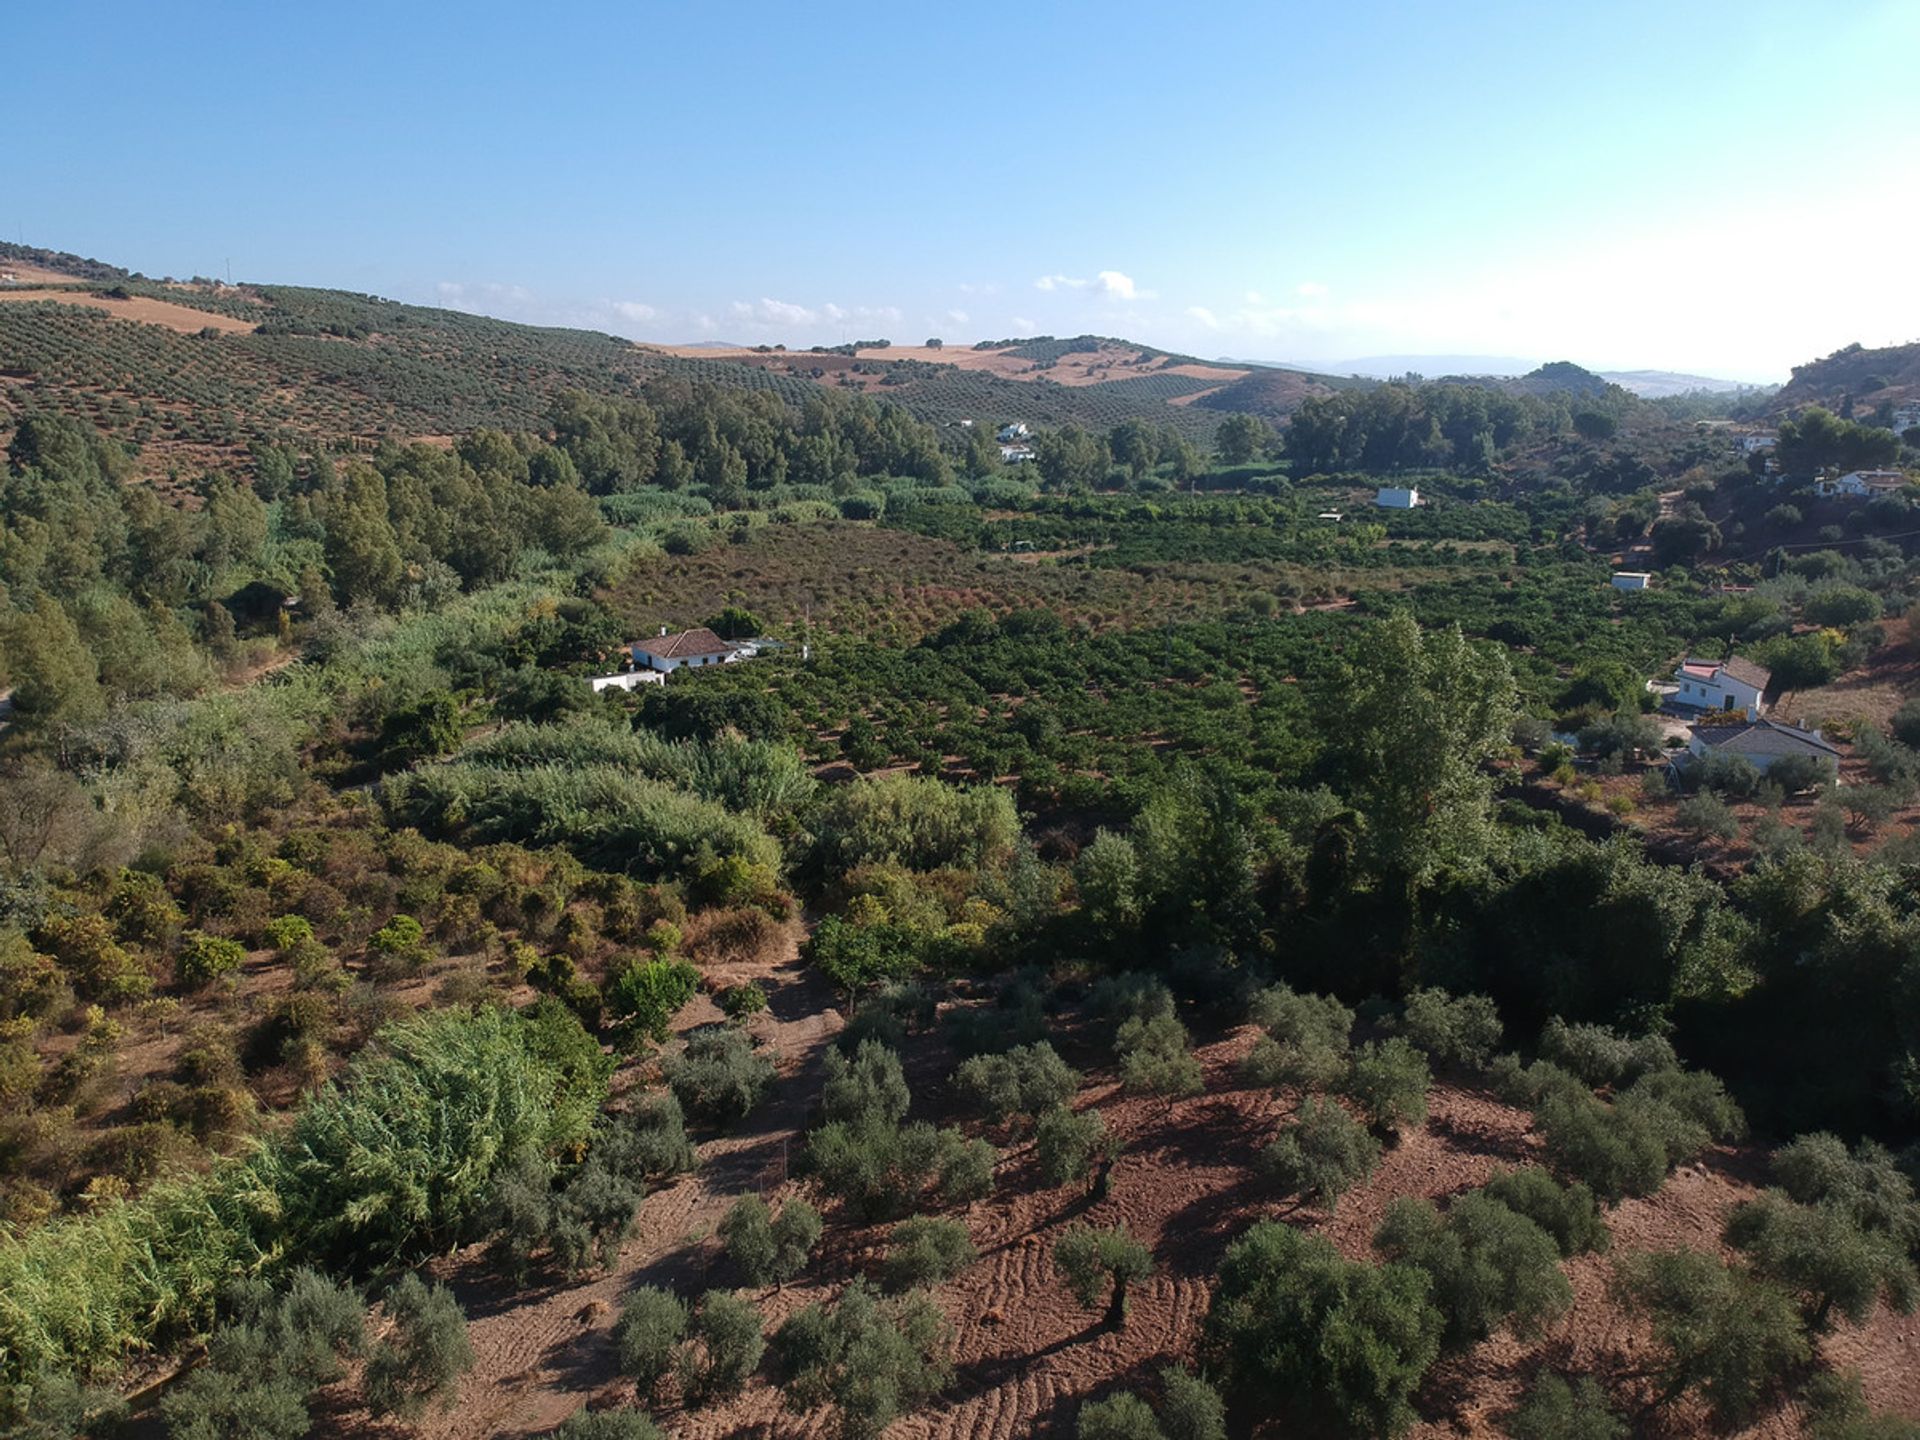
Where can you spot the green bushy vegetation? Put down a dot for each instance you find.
(1085, 761)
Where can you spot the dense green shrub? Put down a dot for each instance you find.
(1155, 1058)
(1388, 1080)
(879, 1168)
(652, 1324)
(1350, 1341)
(647, 1142)
(718, 1077)
(644, 998)
(1823, 1255)
(420, 1361)
(1025, 1080)
(1556, 1410)
(1305, 1041)
(1568, 1213)
(769, 1249)
(1600, 1056)
(205, 958)
(1451, 1030)
(1722, 1332)
(1489, 1266)
(1323, 1154)
(1190, 1408)
(1067, 1143)
(724, 1350)
(1124, 1416)
(873, 1360)
(871, 1083)
(925, 1251)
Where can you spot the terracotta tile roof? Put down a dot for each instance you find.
(701, 641)
(1748, 673)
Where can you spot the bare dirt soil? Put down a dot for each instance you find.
(1026, 1355)
(183, 319)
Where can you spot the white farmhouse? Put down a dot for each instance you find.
(1632, 580)
(1736, 684)
(1754, 444)
(1015, 431)
(1861, 483)
(683, 650)
(1392, 497)
(625, 680)
(1015, 454)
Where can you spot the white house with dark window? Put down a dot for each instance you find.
(683, 650)
(1632, 580)
(1392, 497)
(1015, 454)
(1015, 431)
(1735, 684)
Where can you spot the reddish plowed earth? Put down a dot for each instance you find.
(1026, 1355)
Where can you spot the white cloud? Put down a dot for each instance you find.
(1254, 297)
(487, 296)
(984, 288)
(632, 310)
(1311, 289)
(773, 312)
(1205, 316)
(1059, 282)
(1121, 287)
(957, 317)
(1021, 325)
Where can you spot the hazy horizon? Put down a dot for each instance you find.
(1629, 188)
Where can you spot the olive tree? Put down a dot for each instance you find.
(766, 1248)
(1323, 1154)
(1388, 1080)
(1349, 1341)
(1729, 1335)
(873, 1360)
(1305, 1040)
(723, 1350)
(1090, 1260)
(1489, 1266)
(652, 1324)
(1066, 1144)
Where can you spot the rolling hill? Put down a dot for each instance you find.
(1868, 376)
(195, 370)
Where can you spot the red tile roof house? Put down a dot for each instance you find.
(1734, 684)
(684, 650)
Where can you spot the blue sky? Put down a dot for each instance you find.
(1729, 188)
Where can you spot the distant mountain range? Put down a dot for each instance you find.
(1648, 384)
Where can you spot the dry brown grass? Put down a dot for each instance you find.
(182, 319)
